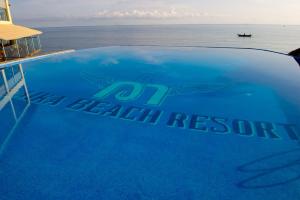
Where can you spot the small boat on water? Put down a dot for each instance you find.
(245, 35)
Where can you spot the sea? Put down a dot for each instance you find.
(279, 38)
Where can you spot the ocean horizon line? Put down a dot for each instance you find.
(142, 25)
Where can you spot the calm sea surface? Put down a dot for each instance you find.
(272, 37)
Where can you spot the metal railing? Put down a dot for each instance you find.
(21, 48)
(11, 52)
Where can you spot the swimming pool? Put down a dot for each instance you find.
(152, 123)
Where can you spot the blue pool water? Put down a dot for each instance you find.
(154, 123)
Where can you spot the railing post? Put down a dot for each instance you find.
(26, 46)
(5, 56)
(33, 43)
(39, 40)
(18, 48)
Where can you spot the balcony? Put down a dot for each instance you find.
(20, 48)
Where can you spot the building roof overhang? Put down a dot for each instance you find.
(14, 32)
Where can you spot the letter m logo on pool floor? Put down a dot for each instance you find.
(131, 91)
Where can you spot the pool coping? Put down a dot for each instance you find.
(20, 61)
(29, 59)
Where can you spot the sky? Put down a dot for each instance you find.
(115, 12)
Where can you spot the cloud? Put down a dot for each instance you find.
(153, 13)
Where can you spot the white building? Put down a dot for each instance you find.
(16, 41)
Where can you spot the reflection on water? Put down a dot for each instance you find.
(271, 167)
(12, 109)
